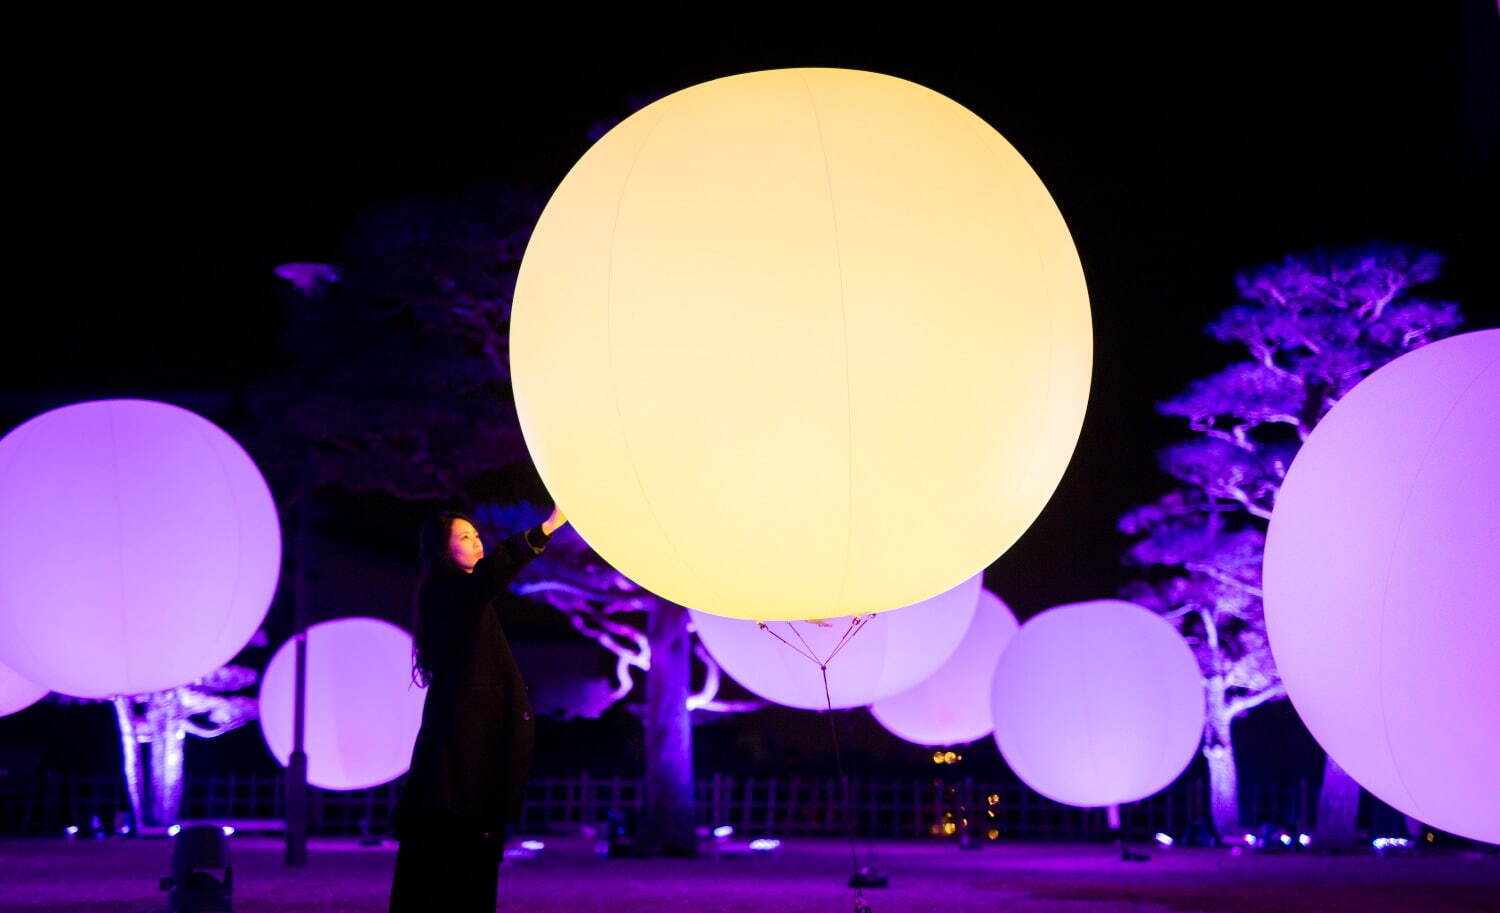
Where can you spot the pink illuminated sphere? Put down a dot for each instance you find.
(139, 548)
(892, 652)
(1382, 581)
(952, 705)
(363, 711)
(1097, 703)
(17, 693)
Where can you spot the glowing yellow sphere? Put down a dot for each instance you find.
(801, 343)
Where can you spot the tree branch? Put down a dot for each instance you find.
(1245, 704)
(1226, 579)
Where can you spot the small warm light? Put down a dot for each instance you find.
(1164, 839)
(765, 844)
(723, 831)
(174, 830)
(992, 799)
(949, 827)
(228, 830)
(534, 846)
(1430, 836)
(993, 834)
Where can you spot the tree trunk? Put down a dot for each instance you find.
(670, 825)
(130, 755)
(167, 735)
(1338, 807)
(1223, 777)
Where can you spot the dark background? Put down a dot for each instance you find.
(166, 177)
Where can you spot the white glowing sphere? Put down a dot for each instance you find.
(801, 343)
(890, 653)
(952, 705)
(1097, 703)
(17, 693)
(139, 548)
(363, 711)
(1382, 580)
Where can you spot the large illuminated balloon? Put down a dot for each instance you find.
(892, 651)
(17, 693)
(1382, 580)
(801, 343)
(952, 705)
(139, 548)
(1097, 703)
(363, 711)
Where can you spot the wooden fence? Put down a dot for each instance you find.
(780, 806)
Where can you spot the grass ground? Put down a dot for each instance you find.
(121, 876)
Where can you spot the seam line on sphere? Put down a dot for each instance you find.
(114, 467)
(848, 384)
(1385, 726)
(614, 389)
(228, 611)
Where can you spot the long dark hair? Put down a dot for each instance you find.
(433, 552)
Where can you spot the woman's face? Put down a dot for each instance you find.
(464, 545)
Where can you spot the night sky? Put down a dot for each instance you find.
(167, 181)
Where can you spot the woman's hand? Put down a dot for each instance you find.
(553, 522)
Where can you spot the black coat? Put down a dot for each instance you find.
(473, 752)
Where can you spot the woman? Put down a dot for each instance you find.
(473, 752)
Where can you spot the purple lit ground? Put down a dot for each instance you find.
(120, 877)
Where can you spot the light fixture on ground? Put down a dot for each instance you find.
(193, 887)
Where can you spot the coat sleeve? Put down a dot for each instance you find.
(494, 572)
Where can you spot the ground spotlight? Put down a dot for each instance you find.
(1164, 839)
(723, 831)
(1304, 839)
(194, 850)
(765, 844)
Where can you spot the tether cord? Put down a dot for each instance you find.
(856, 624)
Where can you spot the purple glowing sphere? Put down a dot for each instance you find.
(952, 705)
(1097, 703)
(139, 548)
(890, 653)
(17, 693)
(363, 711)
(1382, 581)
